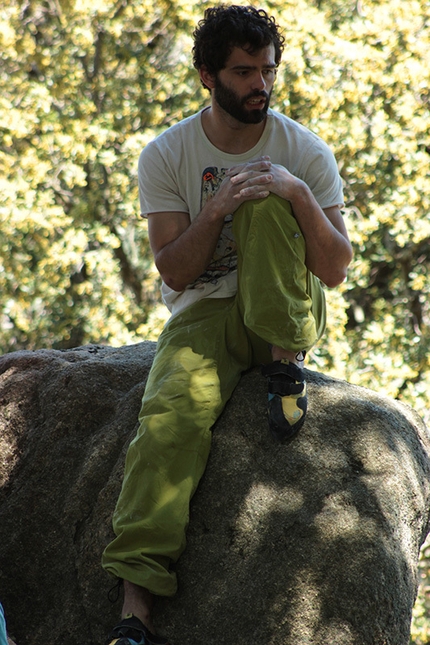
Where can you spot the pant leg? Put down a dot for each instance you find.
(283, 302)
(200, 357)
(199, 360)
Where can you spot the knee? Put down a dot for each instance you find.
(272, 205)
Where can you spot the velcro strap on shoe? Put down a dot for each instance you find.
(277, 368)
(284, 387)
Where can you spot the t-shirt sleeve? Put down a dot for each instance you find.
(158, 188)
(319, 170)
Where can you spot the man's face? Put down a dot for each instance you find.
(243, 88)
(251, 108)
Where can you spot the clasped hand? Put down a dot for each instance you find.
(256, 179)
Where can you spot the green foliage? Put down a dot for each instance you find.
(85, 85)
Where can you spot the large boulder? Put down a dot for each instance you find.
(312, 542)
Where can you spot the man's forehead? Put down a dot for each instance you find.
(240, 57)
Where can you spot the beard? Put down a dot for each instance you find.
(235, 106)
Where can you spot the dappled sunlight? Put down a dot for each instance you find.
(307, 600)
(261, 501)
(340, 518)
(204, 386)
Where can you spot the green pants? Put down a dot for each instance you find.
(200, 357)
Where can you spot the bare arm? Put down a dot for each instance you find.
(183, 249)
(328, 249)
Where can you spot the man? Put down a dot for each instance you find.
(243, 209)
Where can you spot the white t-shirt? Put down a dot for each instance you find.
(181, 169)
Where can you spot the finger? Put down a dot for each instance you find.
(254, 195)
(251, 177)
(252, 189)
(258, 164)
(234, 170)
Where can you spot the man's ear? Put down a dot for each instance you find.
(207, 79)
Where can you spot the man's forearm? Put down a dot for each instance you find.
(185, 258)
(328, 250)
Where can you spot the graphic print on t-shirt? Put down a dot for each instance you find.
(224, 258)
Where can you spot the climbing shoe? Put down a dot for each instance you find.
(287, 402)
(131, 631)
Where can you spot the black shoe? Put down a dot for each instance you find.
(287, 402)
(131, 631)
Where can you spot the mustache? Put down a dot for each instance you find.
(255, 94)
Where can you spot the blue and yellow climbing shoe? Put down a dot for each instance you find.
(287, 402)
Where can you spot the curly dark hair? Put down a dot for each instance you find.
(227, 26)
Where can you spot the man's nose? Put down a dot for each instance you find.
(258, 82)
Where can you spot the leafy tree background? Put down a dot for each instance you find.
(85, 85)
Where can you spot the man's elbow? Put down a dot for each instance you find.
(334, 279)
(173, 283)
(336, 275)
(169, 276)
